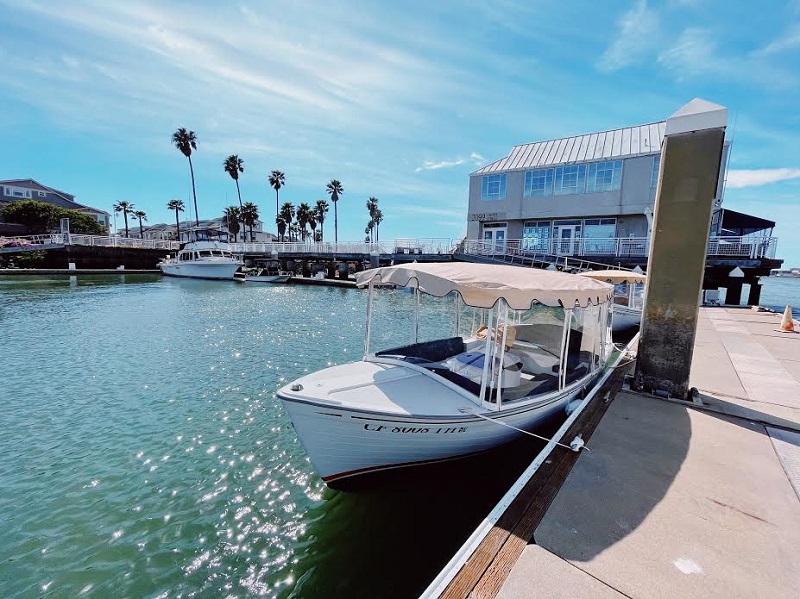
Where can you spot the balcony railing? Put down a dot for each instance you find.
(620, 247)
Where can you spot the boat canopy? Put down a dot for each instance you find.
(615, 276)
(482, 285)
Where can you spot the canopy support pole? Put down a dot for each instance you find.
(486, 350)
(369, 317)
(562, 367)
(416, 311)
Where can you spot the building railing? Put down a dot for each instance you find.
(620, 247)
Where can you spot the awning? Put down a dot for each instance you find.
(739, 223)
(482, 285)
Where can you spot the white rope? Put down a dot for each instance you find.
(577, 448)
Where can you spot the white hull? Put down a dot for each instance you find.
(201, 270)
(343, 442)
(624, 318)
(268, 278)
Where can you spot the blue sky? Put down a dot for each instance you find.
(397, 100)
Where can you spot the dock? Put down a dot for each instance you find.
(76, 272)
(674, 498)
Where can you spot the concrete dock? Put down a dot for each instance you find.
(676, 499)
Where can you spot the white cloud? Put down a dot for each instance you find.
(692, 53)
(756, 177)
(788, 41)
(429, 165)
(637, 29)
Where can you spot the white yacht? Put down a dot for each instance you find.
(535, 340)
(208, 256)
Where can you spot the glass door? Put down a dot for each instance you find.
(565, 242)
(494, 238)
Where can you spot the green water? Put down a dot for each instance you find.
(144, 452)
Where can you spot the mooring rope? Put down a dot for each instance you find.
(540, 437)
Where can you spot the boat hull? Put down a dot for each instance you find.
(268, 278)
(207, 270)
(625, 318)
(346, 444)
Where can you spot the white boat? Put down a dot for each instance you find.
(628, 296)
(268, 275)
(208, 256)
(441, 399)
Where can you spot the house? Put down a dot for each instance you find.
(586, 195)
(30, 189)
(169, 231)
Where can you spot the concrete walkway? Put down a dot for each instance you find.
(678, 500)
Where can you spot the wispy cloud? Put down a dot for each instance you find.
(756, 177)
(786, 42)
(637, 28)
(429, 165)
(692, 53)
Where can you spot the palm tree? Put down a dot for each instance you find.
(280, 224)
(320, 211)
(335, 189)
(186, 141)
(177, 206)
(287, 214)
(312, 224)
(277, 180)
(126, 208)
(250, 216)
(234, 165)
(377, 219)
(142, 216)
(372, 206)
(303, 214)
(233, 216)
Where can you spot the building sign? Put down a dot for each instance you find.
(484, 216)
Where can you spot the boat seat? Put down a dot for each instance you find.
(437, 350)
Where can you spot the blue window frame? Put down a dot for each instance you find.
(570, 179)
(539, 182)
(654, 173)
(493, 187)
(604, 176)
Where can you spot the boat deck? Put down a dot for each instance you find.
(674, 499)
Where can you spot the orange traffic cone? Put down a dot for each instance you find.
(787, 322)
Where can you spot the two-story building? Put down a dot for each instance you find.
(587, 195)
(29, 189)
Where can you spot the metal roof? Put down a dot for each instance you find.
(640, 140)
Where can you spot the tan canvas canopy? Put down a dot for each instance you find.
(615, 276)
(482, 285)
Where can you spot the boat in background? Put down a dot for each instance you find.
(628, 296)
(207, 256)
(267, 275)
(536, 340)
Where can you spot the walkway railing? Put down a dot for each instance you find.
(620, 247)
(396, 246)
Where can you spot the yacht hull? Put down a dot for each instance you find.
(206, 270)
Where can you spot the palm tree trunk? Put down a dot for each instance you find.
(194, 193)
(141, 230)
(177, 225)
(244, 226)
(125, 214)
(276, 206)
(377, 233)
(335, 223)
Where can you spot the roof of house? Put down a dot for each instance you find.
(640, 140)
(62, 199)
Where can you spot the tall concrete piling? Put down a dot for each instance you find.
(690, 163)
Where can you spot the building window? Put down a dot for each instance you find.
(604, 176)
(654, 173)
(536, 236)
(17, 192)
(539, 182)
(493, 187)
(599, 235)
(570, 179)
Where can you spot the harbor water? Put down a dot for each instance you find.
(145, 453)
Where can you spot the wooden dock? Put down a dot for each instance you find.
(674, 499)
